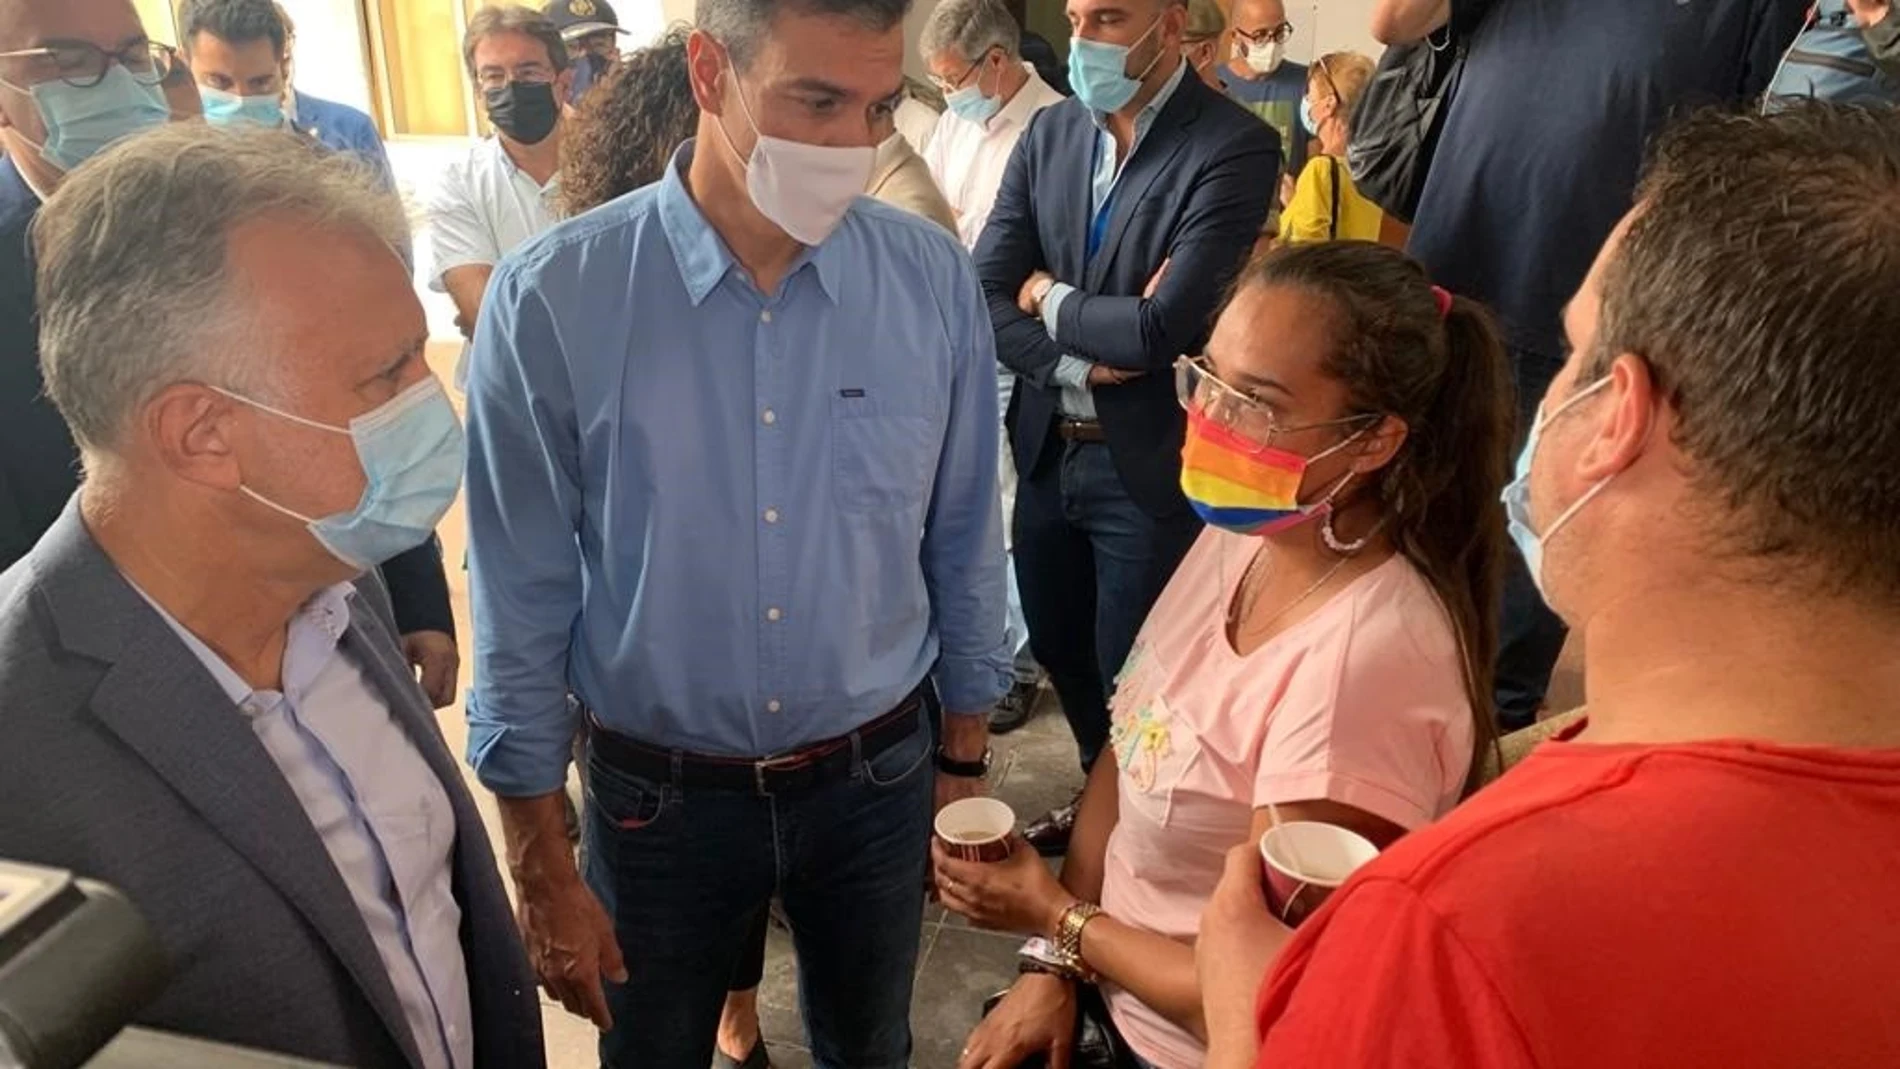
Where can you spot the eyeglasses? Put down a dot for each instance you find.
(496, 78)
(1198, 389)
(1272, 33)
(1332, 87)
(83, 65)
(946, 88)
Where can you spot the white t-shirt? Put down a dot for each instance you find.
(483, 208)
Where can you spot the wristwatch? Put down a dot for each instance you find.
(1069, 936)
(950, 766)
(1041, 293)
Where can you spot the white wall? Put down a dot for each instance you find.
(1322, 26)
(330, 58)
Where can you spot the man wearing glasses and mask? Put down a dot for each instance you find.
(75, 76)
(503, 192)
(1259, 78)
(733, 508)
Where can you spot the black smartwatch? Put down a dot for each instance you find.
(950, 766)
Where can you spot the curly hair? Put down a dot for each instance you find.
(628, 126)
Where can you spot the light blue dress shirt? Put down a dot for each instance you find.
(1072, 372)
(729, 522)
(384, 818)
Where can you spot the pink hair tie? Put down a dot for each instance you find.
(1443, 297)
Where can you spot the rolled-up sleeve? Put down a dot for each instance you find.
(457, 235)
(963, 556)
(524, 507)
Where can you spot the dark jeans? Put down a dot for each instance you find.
(1531, 637)
(1090, 563)
(750, 972)
(686, 874)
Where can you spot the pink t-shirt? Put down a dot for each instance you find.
(1362, 703)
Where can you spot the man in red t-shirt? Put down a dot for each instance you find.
(1706, 874)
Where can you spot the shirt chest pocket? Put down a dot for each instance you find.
(882, 453)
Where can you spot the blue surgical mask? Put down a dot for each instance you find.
(1098, 71)
(1307, 122)
(1517, 495)
(412, 453)
(80, 123)
(229, 109)
(970, 105)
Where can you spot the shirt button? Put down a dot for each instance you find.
(765, 316)
(770, 417)
(773, 706)
(771, 515)
(773, 614)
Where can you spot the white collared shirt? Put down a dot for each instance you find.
(483, 208)
(968, 159)
(382, 814)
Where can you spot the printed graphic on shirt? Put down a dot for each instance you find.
(1142, 741)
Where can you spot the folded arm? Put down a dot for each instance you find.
(1009, 251)
(1216, 233)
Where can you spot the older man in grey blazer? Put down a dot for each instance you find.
(200, 701)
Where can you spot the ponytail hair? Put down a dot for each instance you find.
(1445, 375)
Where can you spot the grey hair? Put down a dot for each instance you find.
(740, 25)
(969, 29)
(134, 289)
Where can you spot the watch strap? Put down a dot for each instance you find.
(950, 766)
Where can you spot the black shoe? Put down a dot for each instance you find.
(1016, 707)
(1049, 834)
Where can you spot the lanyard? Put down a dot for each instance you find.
(1098, 226)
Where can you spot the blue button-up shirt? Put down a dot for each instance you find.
(1072, 372)
(730, 522)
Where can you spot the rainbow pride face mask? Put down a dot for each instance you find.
(1236, 485)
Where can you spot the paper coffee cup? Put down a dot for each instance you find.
(1306, 861)
(976, 829)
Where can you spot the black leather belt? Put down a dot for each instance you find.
(817, 765)
(1080, 430)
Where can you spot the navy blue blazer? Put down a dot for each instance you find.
(1195, 194)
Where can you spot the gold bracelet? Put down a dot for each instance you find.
(1069, 936)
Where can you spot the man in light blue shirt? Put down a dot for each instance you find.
(733, 507)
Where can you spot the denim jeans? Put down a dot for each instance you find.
(1530, 637)
(685, 873)
(1092, 563)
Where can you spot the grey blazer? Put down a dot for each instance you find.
(122, 759)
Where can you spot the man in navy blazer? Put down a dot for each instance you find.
(1123, 215)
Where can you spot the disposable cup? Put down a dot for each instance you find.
(976, 829)
(1306, 861)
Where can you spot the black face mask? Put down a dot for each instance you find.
(525, 111)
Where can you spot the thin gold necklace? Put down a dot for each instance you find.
(1250, 592)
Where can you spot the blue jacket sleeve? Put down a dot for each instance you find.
(1009, 251)
(1217, 231)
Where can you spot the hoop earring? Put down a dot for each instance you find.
(1345, 549)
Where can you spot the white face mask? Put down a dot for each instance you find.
(1263, 58)
(804, 189)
